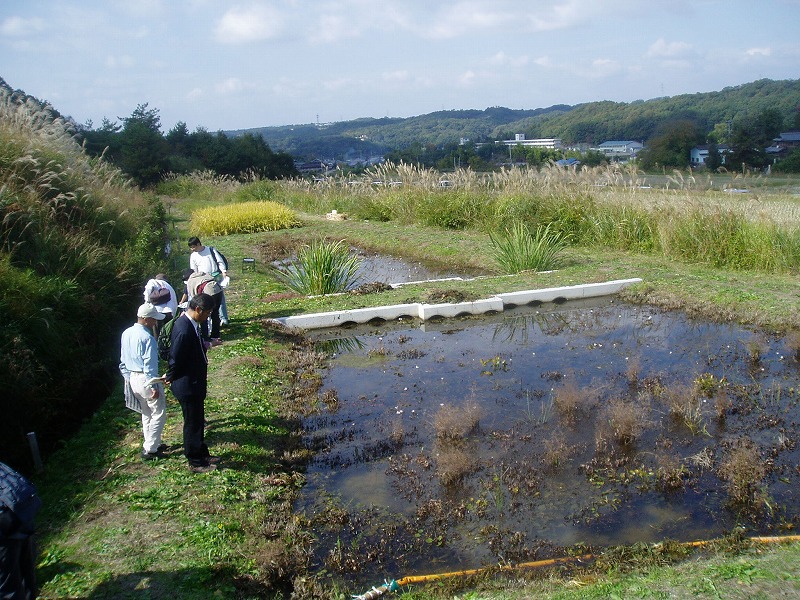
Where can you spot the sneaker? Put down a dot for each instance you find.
(148, 456)
(162, 448)
(214, 460)
(202, 468)
(216, 342)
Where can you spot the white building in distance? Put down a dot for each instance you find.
(519, 140)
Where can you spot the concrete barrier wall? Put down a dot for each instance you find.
(427, 311)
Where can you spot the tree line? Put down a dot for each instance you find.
(138, 148)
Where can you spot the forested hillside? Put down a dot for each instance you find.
(591, 123)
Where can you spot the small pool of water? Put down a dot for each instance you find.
(389, 269)
(509, 437)
(381, 268)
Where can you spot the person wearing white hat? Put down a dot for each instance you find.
(160, 293)
(139, 366)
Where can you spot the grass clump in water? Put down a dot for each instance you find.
(519, 250)
(322, 268)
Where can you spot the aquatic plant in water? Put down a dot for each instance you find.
(322, 267)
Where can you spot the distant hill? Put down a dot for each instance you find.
(590, 123)
(368, 136)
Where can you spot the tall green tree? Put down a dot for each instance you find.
(672, 147)
(143, 150)
(751, 136)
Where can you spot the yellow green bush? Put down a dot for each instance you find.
(245, 217)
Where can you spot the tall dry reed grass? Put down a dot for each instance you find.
(611, 207)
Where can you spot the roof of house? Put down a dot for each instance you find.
(618, 143)
(788, 136)
(705, 147)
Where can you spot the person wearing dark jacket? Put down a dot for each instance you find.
(19, 504)
(187, 376)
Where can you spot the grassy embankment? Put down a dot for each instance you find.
(114, 527)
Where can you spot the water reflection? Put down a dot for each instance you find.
(495, 438)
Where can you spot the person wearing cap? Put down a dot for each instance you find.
(202, 283)
(207, 259)
(139, 365)
(168, 307)
(187, 376)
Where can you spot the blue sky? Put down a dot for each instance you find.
(235, 65)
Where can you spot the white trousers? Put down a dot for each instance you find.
(154, 412)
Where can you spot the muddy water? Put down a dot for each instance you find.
(388, 269)
(510, 437)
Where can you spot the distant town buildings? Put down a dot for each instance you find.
(519, 140)
(619, 150)
(783, 144)
(699, 155)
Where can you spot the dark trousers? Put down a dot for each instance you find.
(194, 418)
(214, 318)
(17, 568)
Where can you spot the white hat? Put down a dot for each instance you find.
(148, 310)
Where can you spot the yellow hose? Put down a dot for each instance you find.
(536, 563)
(565, 559)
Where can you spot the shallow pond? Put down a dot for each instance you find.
(478, 441)
(387, 269)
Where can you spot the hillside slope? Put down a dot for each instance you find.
(590, 123)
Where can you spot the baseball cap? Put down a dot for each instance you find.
(148, 310)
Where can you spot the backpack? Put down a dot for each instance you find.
(160, 295)
(18, 495)
(165, 337)
(224, 264)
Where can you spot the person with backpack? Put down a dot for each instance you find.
(19, 504)
(139, 366)
(207, 259)
(159, 293)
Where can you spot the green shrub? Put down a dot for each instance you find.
(727, 239)
(261, 189)
(453, 209)
(517, 250)
(322, 268)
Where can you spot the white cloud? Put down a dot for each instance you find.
(543, 61)
(231, 85)
(195, 94)
(467, 78)
(557, 16)
(332, 28)
(251, 24)
(465, 17)
(601, 67)
(501, 59)
(19, 27)
(759, 52)
(661, 49)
